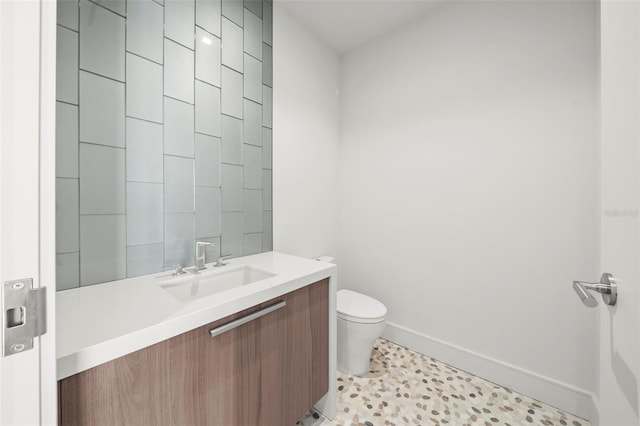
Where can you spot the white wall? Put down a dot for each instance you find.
(305, 140)
(468, 189)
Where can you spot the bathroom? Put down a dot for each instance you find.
(464, 162)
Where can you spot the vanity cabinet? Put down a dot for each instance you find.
(267, 371)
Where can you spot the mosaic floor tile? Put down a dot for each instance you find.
(404, 387)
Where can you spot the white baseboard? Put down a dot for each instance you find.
(550, 391)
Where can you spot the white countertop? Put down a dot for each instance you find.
(99, 323)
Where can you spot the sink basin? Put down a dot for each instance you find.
(211, 281)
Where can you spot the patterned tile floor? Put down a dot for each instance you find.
(404, 387)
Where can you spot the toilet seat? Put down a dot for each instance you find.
(357, 307)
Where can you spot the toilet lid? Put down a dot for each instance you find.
(357, 307)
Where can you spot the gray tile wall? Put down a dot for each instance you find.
(163, 134)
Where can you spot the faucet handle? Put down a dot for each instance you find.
(178, 270)
(204, 243)
(220, 260)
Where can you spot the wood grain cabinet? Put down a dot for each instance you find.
(268, 371)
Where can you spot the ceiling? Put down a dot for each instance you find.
(347, 24)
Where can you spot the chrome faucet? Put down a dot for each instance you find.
(200, 255)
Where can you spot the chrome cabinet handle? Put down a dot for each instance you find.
(248, 318)
(606, 287)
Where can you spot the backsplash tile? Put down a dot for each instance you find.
(163, 134)
(102, 248)
(179, 21)
(67, 65)
(267, 23)
(252, 123)
(102, 179)
(144, 89)
(231, 92)
(208, 15)
(178, 184)
(252, 167)
(68, 14)
(267, 106)
(267, 65)
(232, 45)
(232, 9)
(231, 241)
(252, 34)
(145, 259)
(66, 140)
(252, 243)
(252, 220)
(145, 29)
(102, 41)
(255, 6)
(101, 110)
(231, 140)
(267, 148)
(267, 191)
(208, 211)
(67, 216)
(267, 231)
(117, 6)
(179, 238)
(252, 78)
(178, 71)
(179, 127)
(207, 160)
(144, 213)
(207, 109)
(68, 270)
(144, 151)
(231, 188)
(208, 57)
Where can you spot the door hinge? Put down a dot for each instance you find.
(24, 315)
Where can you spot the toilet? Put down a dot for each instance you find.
(361, 320)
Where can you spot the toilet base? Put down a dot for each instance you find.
(355, 342)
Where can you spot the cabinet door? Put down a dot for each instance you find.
(192, 379)
(307, 353)
(243, 372)
(128, 390)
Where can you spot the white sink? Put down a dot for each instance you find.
(211, 281)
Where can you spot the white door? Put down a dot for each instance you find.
(619, 355)
(27, 197)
